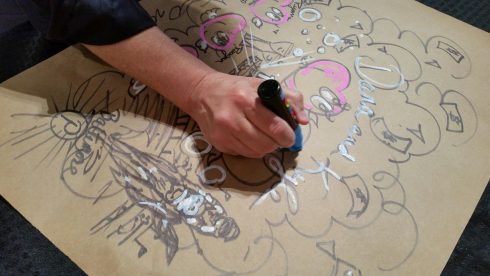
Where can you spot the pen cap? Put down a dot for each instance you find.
(272, 96)
(270, 90)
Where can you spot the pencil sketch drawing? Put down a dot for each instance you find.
(114, 138)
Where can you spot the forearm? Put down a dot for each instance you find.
(154, 59)
(226, 107)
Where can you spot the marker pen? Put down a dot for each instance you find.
(272, 96)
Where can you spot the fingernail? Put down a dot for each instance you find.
(308, 106)
(302, 116)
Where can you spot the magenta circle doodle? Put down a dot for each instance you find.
(228, 27)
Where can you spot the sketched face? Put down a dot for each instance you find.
(210, 14)
(220, 38)
(222, 32)
(271, 12)
(179, 183)
(330, 78)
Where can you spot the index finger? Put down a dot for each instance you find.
(271, 124)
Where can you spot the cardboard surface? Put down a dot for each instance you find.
(394, 161)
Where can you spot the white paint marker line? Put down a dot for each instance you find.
(218, 209)
(142, 173)
(261, 199)
(156, 206)
(207, 229)
(325, 183)
(245, 47)
(153, 170)
(234, 64)
(252, 43)
(284, 64)
(180, 198)
(291, 57)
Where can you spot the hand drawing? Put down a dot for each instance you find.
(271, 12)
(339, 266)
(455, 113)
(330, 100)
(222, 39)
(95, 143)
(114, 138)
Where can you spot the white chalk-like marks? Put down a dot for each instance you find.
(153, 170)
(218, 209)
(188, 145)
(202, 175)
(331, 39)
(359, 66)
(286, 183)
(365, 90)
(157, 206)
(263, 66)
(309, 15)
(180, 198)
(298, 52)
(190, 204)
(323, 169)
(208, 229)
(142, 173)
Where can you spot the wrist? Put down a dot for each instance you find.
(194, 103)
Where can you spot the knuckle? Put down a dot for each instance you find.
(223, 120)
(240, 96)
(244, 98)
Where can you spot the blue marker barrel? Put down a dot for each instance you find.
(272, 96)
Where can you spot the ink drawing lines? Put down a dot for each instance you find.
(366, 85)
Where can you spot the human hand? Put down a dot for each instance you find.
(233, 119)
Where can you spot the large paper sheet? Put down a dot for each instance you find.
(395, 158)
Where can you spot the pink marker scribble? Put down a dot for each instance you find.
(333, 71)
(271, 13)
(232, 23)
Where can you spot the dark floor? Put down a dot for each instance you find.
(25, 251)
